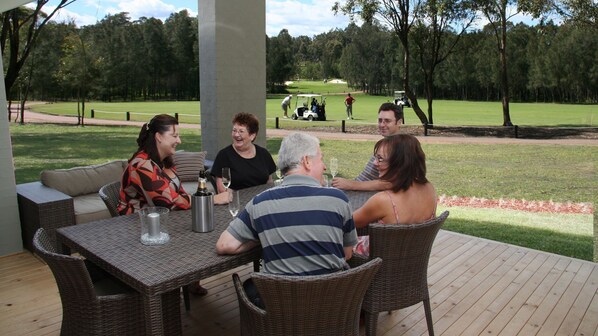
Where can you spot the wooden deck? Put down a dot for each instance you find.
(478, 287)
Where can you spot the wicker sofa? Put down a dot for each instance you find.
(66, 197)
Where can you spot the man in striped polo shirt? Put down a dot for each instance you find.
(390, 117)
(303, 228)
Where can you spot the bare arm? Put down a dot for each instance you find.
(348, 252)
(220, 185)
(370, 212)
(223, 197)
(373, 185)
(228, 244)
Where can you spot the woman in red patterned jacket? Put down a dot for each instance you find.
(150, 178)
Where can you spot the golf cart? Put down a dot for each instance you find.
(401, 99)
(310, 107)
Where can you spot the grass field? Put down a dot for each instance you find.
(446, 112)
(531, 172)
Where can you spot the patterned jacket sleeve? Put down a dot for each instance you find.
(149, 185)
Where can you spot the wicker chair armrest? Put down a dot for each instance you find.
(364, 231)
(43, 207)
(358, 260)
(244, 299)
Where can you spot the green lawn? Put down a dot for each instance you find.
(446, 112)
(532, 172)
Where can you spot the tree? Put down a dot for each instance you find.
(75, 71)
(279, 60)
(498, 13)
(327, 49)
(20, 30)
(181, 31)
(110, 49)
(581, 12)
(157, 57)
(399, 14)
(366, 59)
(435, 38)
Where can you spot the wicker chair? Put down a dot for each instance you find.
(104, 307)
(403, 278)
(110, 193)
(306, 305)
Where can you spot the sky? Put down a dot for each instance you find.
(299, 17)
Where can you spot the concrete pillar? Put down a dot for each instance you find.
(232, 68)
(10, 225)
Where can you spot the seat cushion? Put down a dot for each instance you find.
(90, 208)
(188, 165)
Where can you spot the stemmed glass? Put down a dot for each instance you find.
(233, 206)
(226, 180)
(333, 166)
(279, 180)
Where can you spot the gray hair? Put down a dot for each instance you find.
(293, 148)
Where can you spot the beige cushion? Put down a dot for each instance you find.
(188, 165)
(83, 180)
(89, 208)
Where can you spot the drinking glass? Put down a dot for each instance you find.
(226, 180)
(278, 174)
(233, 206)
(325, 181)
(333, 166)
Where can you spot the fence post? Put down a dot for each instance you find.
(92, 113)
(343, 126)
(276, 123)
(516, 131)
(128, 115)
(176, 116)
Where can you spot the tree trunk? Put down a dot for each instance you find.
(414, 104)
(504, 78)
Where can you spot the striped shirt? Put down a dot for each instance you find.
(301, 226)
(370, 171)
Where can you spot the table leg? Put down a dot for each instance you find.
(171, 312)
(152, 305)
(256, 265)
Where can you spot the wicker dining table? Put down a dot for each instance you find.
(114, 245)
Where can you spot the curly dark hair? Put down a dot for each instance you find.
(406, 161)
(248, 120)
(146, 141)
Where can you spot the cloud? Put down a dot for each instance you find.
(299, 17)
(147, 8)
(65, 15)
(302, 17)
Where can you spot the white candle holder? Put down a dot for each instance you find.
(154, 225)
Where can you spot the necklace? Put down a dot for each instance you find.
(248, 154)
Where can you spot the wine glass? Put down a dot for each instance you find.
(278, 174)
(226, 180)
(333, 166)
(233, 206)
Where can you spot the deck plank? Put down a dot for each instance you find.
(477, 287)
(581, 306)
(525, 288)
